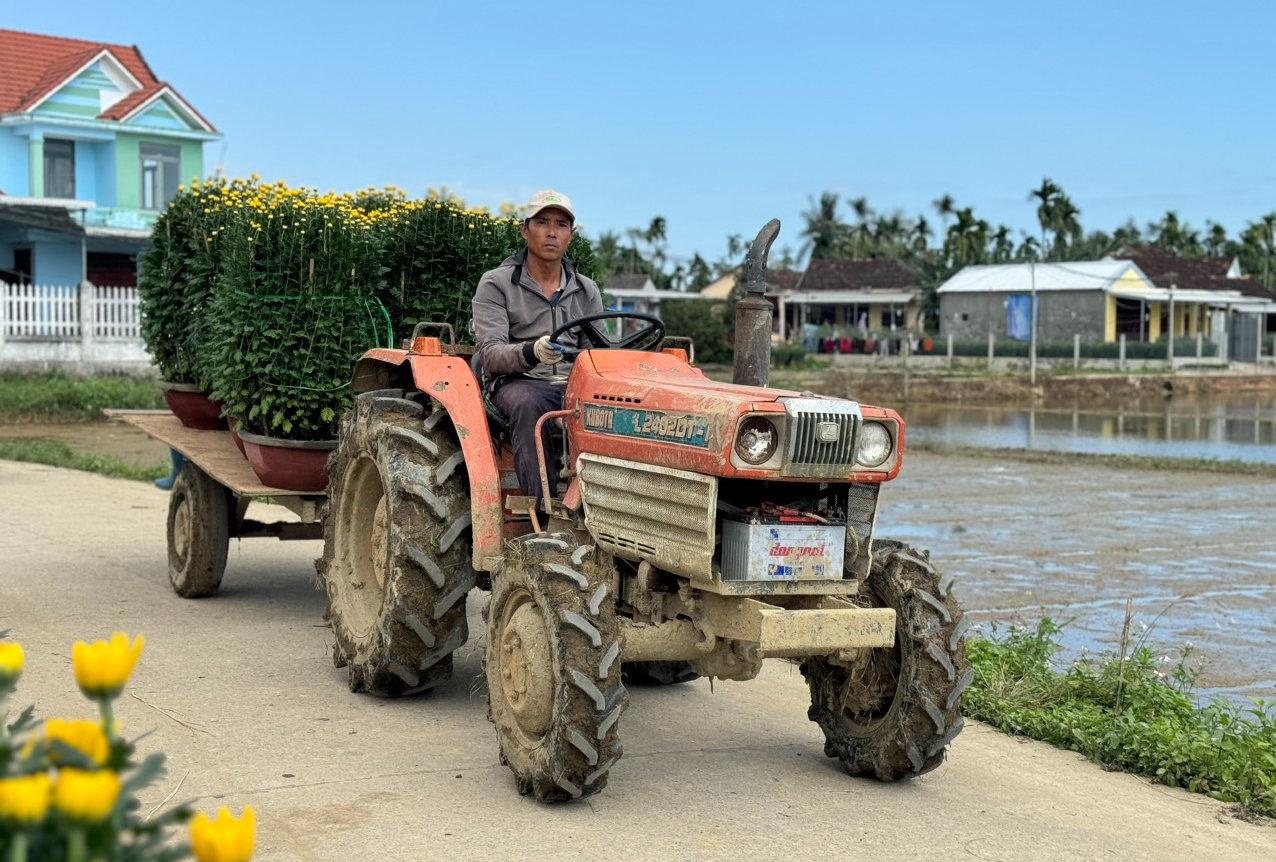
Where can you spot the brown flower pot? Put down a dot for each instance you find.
(294, 465)
(192, 406)
(231, 422)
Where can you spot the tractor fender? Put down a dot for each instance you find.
(449, 381)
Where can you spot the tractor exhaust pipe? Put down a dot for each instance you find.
(753, 315)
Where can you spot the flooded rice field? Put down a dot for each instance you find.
(1195, 551)
(1240, 426)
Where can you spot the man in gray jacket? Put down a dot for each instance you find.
(516, 307)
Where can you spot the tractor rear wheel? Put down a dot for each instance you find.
(892, 712)
(396, 560)
(199, 515)
(553, 667)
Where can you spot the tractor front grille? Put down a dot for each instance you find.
(822, 434)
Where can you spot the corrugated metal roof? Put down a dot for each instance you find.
(1023, 277)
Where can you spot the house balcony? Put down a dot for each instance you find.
(119, 218)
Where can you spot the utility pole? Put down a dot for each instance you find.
(1170, 341)
(1032, 323)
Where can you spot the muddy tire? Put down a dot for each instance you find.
(199, 513)
(893, 712)
(658, 672)
(553, 668)
(396, 560)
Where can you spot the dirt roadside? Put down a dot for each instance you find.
(736, 772)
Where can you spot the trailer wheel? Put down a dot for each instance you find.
(892, 712)
(553, 668)
(199, 513)
(658, 672)
(396, 560)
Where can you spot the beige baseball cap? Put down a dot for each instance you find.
(545, 199)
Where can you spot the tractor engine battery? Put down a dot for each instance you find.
(775, 543)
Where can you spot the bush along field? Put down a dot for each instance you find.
(1133, 710)
(265, 295)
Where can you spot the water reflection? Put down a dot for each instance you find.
(1222, 427)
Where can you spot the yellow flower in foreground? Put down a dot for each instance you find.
(87, 736)
(86, 796)
(224, 839)
(103, 668)
(12, 661)
(25, 799)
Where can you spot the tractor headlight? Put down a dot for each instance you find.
(874, 445)
(756, 439)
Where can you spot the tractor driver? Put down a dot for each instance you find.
(516, 307)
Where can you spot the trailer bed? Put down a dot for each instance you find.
(214, 452)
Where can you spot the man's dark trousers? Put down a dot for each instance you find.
(524, 401)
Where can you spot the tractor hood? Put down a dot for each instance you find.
(656, 408)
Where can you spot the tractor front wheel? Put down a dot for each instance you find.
(893, 711)
(553, 668)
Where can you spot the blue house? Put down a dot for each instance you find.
(92, 146)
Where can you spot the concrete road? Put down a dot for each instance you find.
(240, 692)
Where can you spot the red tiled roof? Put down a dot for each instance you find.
(1201, 273)
(32, 65)
(857, 275)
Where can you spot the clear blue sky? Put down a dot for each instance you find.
(720, 116)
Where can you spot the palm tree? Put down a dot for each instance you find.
(1045, 196)
(946, 207)
(967, 239)
(921, 235)
(1003, 247)
(1215, 239)
(655, 237)
(1064, 224)
(823, 231)
(608, 253)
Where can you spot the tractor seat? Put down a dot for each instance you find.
(498, 423)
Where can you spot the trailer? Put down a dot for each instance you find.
(211, 494)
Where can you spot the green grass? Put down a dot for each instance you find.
(56, 397)
(1138, 714)
(55, 453)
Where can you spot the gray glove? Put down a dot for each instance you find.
(545, 354)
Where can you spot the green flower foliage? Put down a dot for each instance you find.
(267, 295)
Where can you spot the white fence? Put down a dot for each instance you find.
(87, 329)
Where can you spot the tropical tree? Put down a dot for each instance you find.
(823, 231)
(946, 207)
(1045, 195)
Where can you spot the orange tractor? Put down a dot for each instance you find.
(705, 527)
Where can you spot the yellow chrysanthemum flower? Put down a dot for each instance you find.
(86, 736)
(224, 839)
(103, 668)
(24, 799)
(87, 797)
(12, 661)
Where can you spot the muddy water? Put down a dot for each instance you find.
(1196, 552)
(1239, 426)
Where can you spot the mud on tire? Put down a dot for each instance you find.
(396, 562)
(893, 712)
(199, 525)
(553, 667)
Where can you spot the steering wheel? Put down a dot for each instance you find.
(646, 338)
